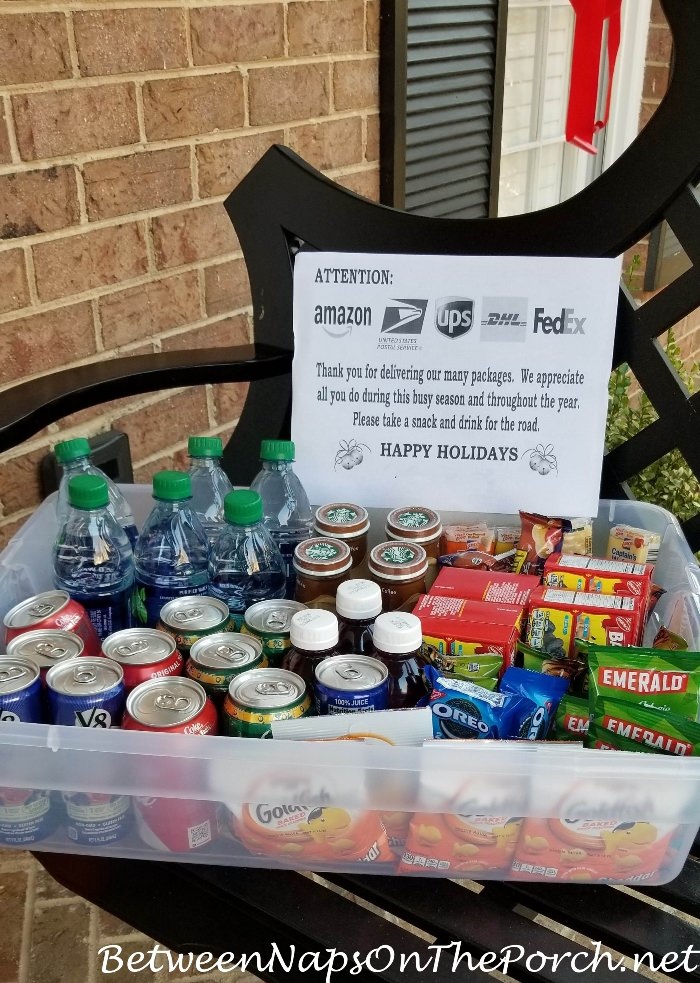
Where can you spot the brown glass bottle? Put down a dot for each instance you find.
(314, 636)
(357, 604)
(398, 644)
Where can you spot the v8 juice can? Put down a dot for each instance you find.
(259, 696)
(173, 706)
(52, 609)
(351, 684)
(143, 653)
(215, 660)
(96, 818)
(20, 691)
(188, 619)
(86, 693)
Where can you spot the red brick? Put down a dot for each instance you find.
(103, 413)
(659, 45)
(324, 27)
(365, 183)
(226, 287)
(46, 341)
(136, 183)
(372, 25)
(646, 111)
(5, 152)
(165, 422)
(221, 334)
(222, 164)
(38, 201)
(13, 902)
(141, 39)
(21, 484)
(229, 400)
(655, 81)
(356, 84)
(291, 92)
(34, 48)
(657, 14)
(372, 148)
(7, 531)
(60, 938)
(95, 259)
(183, 107)
(187, 236)
(227, 35)
(13, 277)
(67, 121)
(149, 309)
(333, 143)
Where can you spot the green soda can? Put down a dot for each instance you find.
(270, 622)
(187, 619)
(217, 659)
(259, 696)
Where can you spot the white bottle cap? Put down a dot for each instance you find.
(313, 630)
(358, 599)
(407, 727)
(398, 632)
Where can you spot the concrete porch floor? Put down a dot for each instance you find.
(51, 936)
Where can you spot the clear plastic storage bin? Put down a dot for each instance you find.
(514, 811)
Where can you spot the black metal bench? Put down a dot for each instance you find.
(281, 206)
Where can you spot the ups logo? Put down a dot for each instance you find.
(454, 316)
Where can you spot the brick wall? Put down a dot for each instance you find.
(123, 126)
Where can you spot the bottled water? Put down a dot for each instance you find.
(245, 565)
(172, 554)
(286, 510)
(74, 457)
(92, 556)
(210, 483)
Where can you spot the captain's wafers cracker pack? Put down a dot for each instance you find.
(665, 681)
(630, 544)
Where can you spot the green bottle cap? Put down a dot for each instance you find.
(88, 491)
(71, 450)
(205, 447)
(277, 450)
(243, 507)
(172, 486)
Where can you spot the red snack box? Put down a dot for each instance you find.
(470, 633)
(598, 576)
(558, 617)
(443, 608)
(491, 586)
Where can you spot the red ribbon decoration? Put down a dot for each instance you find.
(591, 15)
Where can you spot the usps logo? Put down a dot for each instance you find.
(504, 319)
(404, 317)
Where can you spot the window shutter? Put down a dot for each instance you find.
(446, 102)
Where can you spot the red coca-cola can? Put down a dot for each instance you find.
(45, 647)
(143, 653)
(175, 705)
(52, 609)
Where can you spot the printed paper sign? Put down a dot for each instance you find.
(466, 383)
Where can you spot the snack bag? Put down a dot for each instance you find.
(461, 709)
(571, 720)
(668, 682)
(574, 670)
(460, 842)
(506, 539)
(668, 641)
(456, 538)
(540, 537)
(579, 540)
(544, 691)
(651, 730)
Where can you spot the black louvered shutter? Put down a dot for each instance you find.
(441, 105)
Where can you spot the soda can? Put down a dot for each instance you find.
(215, 660)
(96, 818)
(175, 705)
(46, 647)
(20, 691)
(143, 653)
(52, 609)
(259, 696)
(188, 619)
(351, 684)
(270, 621)
(86, 693)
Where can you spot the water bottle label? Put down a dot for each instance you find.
(148, 600)
(287, 551)
(109, 613)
